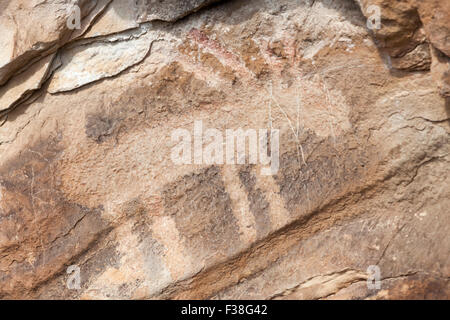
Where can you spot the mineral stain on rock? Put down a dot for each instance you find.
(364, 149)
(99, 127)
(202, 212)
(331, 168)
(31, 202)
(258, 202)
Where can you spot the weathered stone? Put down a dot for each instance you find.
(32, 29)
(21, 86)
(81, 65)
(169, 10)
(87, 177)
(435, 16)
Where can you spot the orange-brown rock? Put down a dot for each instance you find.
(87, 177)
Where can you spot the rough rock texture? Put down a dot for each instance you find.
(408, 27)
(86, 176)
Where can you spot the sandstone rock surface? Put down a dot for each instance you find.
(87, 177)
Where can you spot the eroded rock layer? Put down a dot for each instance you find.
(87, 177)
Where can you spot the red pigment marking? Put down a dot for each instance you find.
(200, 37)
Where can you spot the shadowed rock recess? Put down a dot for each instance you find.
(92, 205)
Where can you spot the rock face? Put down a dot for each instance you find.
(407, 29)
(93, 205)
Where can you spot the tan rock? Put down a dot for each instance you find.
(118, 17)
(84, 64)
(33, 29)
(22, 85)
(88, 181)
(435, 15)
